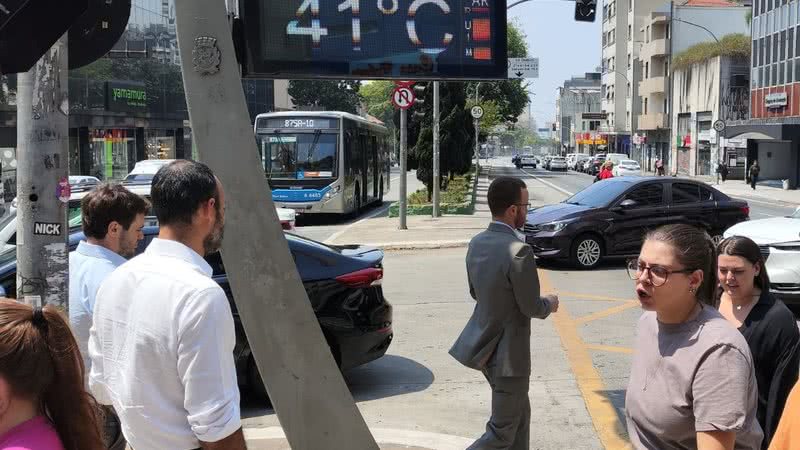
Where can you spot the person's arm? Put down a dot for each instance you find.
(233, 442)
(206, 339)
(716, 440)
(785, 355)
(525, 284)
(96, 379)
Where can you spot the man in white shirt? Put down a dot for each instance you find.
(112, 220)
(163, 335)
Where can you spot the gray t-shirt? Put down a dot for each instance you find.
(691, 377)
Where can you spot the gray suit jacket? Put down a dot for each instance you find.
(504, 282)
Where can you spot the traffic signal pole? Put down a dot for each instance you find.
(403, 168)
(42, 180)
(314, 405)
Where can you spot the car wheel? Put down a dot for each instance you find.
(587, 251)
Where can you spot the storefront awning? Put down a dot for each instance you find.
(750, 135)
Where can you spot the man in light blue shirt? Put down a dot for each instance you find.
(112, 218)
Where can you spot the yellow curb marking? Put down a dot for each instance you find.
(603, 414)
(606, 312)
(609, 348)
(579, 296)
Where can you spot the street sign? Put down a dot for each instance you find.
(403, 98)
(719, 125)
(519, 68)
(477, 112)
(383, 39)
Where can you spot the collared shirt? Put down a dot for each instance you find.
(517, 233)
(162, 350)
(89, 266)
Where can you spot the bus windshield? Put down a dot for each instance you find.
(298, 156)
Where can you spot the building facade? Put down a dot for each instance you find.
(653, 123)
(578, 97)
(614, 86)
(772, 133)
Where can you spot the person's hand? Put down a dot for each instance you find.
(553, 299)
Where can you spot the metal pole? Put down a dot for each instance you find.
(42, 184)
(403, 168)
(477, 153)
(287, 343)
(436, 149)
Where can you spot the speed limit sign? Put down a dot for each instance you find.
(477, 112)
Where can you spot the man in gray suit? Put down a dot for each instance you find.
(497, 339)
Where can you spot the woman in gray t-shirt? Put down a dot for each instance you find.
(692, 383)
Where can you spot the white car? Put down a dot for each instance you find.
(558, 163)
(627, 168)
(779, 239)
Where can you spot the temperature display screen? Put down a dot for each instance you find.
(375, 39)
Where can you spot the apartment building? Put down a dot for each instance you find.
(614, 82)
(579, 114)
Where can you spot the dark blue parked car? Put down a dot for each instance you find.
(343, 284)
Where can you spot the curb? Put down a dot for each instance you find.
(417, 245)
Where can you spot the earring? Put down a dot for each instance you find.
(693, 290)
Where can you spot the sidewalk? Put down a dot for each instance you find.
(766, 191)
(273, 438)
(424, 232)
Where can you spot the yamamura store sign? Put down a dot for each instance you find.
(125, 97)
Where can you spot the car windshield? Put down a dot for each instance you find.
(140, 178)
(298, 155)
(599, 195)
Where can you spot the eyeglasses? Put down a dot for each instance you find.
(658, 275)
(526, 205)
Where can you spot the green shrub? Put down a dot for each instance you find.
(733, 45)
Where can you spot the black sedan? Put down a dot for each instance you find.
(343, 284)
(610, 218)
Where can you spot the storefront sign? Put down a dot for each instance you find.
(125, 97)
(776, 100)
(594, 116)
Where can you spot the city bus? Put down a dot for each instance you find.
(323, 162)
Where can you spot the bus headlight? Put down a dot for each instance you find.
(333, 191)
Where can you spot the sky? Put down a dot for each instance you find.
(565, 48)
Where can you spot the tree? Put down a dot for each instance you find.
(377, 97)
(330, 95)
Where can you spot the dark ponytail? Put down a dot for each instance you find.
(695, 250)
(40, 360)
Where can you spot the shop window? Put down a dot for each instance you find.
(111, 151)
(159, 144)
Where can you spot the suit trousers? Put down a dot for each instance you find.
(510, 424)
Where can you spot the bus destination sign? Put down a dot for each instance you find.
(375, 39)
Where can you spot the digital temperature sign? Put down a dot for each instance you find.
(374, 39)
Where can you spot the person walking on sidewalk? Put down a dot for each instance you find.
(722, 172)
(501, 270)
(754, 171)
(163, 335)
(43, 402)
(660, 167)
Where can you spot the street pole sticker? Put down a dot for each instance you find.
(46, 229)
(403, 97)
(477, 112)
(63, 191)
(719, 126)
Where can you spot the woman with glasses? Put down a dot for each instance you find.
(766, 323)
(692, 383)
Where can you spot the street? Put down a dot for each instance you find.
(580, 356)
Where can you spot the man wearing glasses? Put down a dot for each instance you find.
(503, 280)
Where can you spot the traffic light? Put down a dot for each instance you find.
(28, 28)
(96, 32)
(419, 94)
(585, 10)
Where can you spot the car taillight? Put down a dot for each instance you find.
(362, 278)
(746, 210)
(287, 225)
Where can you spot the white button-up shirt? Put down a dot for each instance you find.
(162, 350)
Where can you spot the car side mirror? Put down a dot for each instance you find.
(626, 204)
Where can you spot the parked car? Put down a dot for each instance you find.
(558, 163)
(81, 181)
(610, 217)
(526, 161)
(595, 164)
(627, 168)
(579, 162)
(343, 286)
(779, 239)
(144, 171)
(617, 158)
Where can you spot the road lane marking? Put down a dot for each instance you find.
(601, 298)
(610, 431)
(346, 228)
(606, 312)
(547, 183)
(610, 348)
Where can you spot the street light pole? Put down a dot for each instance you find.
(436, 149)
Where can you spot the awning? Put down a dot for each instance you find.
(750, 135)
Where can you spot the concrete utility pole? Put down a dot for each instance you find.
(436, 156)
(42, 180)
(477, 135)
(403, 168)
(314, 405)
